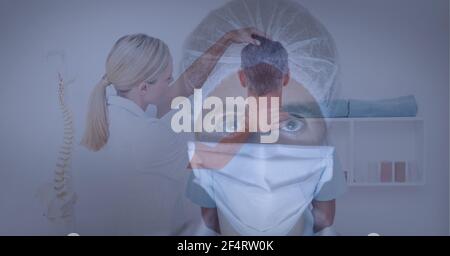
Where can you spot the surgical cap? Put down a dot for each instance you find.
(312, 55)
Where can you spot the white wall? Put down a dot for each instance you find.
(387, 48)
(31, 126)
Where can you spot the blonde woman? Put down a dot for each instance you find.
(136, 184)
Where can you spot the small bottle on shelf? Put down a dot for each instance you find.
(386, 171)
(400, 171)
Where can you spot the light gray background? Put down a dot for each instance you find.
(387, 48)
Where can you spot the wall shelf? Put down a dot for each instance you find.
(379, 152)
(379, 184)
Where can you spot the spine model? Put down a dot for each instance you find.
(63, 200)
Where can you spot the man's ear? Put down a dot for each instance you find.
(242, 78)
(143, 88)
(286, 78)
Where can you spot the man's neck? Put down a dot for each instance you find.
(269, 95)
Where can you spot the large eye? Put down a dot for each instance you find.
(293, 125)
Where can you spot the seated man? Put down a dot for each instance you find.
(264, 73)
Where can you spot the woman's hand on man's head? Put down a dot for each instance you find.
(244, 35)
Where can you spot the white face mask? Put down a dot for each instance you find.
(265, 188)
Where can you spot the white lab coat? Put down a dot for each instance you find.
(136, 184)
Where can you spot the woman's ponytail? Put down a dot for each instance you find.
(96, 133)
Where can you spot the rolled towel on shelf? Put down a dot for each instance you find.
(405, 106)
(336, 108)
